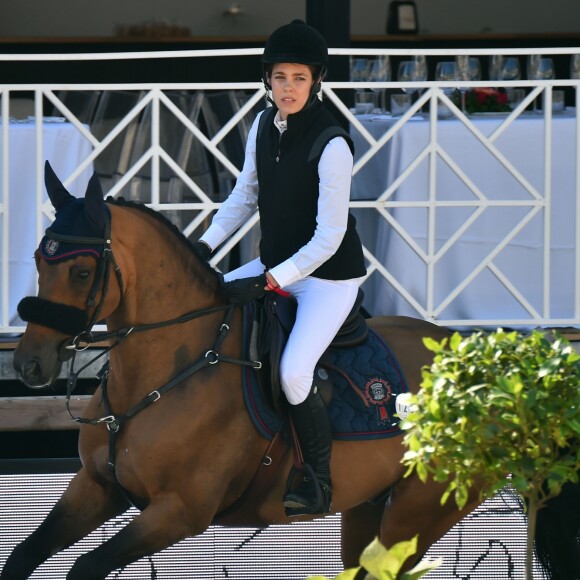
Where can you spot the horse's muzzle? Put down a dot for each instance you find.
(37, 367)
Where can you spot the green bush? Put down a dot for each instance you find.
(495, 409)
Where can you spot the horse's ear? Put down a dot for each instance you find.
(57, 193)
(94, 204)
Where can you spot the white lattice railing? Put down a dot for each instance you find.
(383, 204)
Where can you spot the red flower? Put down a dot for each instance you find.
(502, 98)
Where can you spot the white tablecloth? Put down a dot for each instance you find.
(65, 148)
(520, 262)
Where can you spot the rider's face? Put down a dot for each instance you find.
(291, 85)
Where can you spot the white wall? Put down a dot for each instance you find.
(259, 17)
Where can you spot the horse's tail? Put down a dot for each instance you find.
(557, 537)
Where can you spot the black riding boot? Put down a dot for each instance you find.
(314, 494)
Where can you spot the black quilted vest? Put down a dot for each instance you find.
(287, 166)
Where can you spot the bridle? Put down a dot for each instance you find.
(86, 338)
(100, 282)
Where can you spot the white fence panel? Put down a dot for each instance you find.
(445, 238)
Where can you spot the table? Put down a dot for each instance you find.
(492, 269)
(65, 148)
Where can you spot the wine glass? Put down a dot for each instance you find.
(421, 67)
(380, 71)
(462, 73)
(510, 71)
(532, 65)
(495, 66)
(408, 72)
(445, 72)
(359, 70)
(474, 69)
(544, 72)
(575, 66)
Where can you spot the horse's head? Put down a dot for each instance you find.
(73, 268)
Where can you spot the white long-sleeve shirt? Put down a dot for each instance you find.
(334, 171)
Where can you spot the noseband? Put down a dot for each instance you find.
(102, 276)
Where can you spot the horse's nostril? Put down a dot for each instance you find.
(30, 371)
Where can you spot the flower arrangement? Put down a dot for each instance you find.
(486, 100)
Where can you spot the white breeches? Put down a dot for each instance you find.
(323, 306)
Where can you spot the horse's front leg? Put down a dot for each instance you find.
(415, 508)
(163, 523)
(83, 507)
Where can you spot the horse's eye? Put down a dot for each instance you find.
(80, 275)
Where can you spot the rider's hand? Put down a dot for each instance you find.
(203, 250)
(244, 290)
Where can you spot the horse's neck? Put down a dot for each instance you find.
(163, 281)
(162, 277)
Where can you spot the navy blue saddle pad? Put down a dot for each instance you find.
(366, 381)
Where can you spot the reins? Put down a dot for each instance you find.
(210, 357)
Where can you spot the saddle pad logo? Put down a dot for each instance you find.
(378, 392)
(51, 247)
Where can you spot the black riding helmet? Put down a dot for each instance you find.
(299, 43)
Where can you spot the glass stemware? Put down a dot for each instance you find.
(380, 71)
(445, 72)
(462, 73)
(511, 71)
(532, 65)
(474, 69)
(421, 61)
(359, 71)
(495, 66)
(409, 71)
(575, 66)
(544, 72)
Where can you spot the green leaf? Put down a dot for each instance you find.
(422, 472)
(461, 495)
(432, 345)
(421, 569)
(386, 564)
(456, 341)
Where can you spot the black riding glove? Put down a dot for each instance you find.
(244, 290)
(203, 250)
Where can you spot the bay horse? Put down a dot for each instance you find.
(188, 455)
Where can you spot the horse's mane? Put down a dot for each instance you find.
(175, 231)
